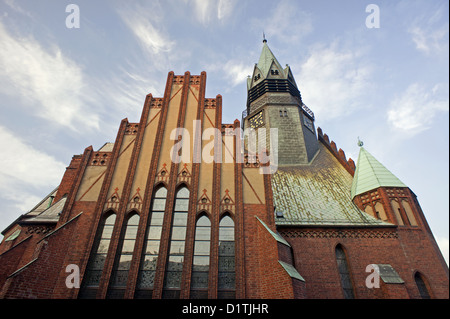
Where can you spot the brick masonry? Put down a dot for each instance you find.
(33, 264)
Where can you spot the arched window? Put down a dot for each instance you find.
(147, 269)
(93, 273)
(409, 213)
(174, 267)
(227, 276)
(344, 273)
(119, 276)
(200, 266)
(423, 290)
(398, 215)
(380, 210)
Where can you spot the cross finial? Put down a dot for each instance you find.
(264, 38)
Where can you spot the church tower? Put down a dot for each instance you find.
(274, 101)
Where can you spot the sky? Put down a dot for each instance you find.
(377, 75)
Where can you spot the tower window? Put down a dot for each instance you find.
(274, 72)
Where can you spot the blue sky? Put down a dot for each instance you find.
(63, 89)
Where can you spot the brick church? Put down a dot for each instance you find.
(179, 206)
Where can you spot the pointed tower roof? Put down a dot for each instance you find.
(266, 59)
(371, 174)
(268, 68)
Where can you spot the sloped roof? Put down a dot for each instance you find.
(107, 147)
(318, 194)
(266, 59)
(43, 204)
(50, 215)
(371, 174)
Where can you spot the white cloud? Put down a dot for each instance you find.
(25, 163)
(333, 80)
(443, 244)
(149, 31)
(151, 38)
(25, 171)
(236, 72)
(203, 8)
(206, 11)
(51, 84)
(414, 110)
(225, 9)
(429, 31)
(431, 41)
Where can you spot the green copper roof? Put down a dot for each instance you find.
(371, 174)
(317, 194)
(262, 70)
(266, 59)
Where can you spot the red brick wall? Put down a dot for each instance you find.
(77, 248)
(405, 250)
(422, 256)
(68, 178)
(9, 260)
(265, 277)
(38, 279)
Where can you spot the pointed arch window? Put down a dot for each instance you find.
(119, 275)
(174, 266)
(147, 269)
(94, 268)
(227, 276)
(200, 266)
(344, 273)
(421, 285)
(409, 213)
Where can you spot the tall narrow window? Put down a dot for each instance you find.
(119, 276)
(227, 276)
(200, 266)
(409, 213)
(97, 259)
(398, 215)
(174, 267)
(344, 273)
(147, 270)
(420, 282)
